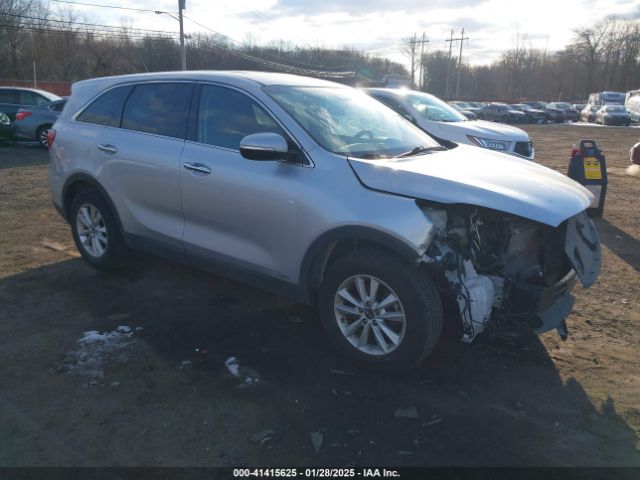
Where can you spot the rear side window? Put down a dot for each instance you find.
(107, 109)
(226, 116)
(32, 99)
(8, 96)
(159, 108)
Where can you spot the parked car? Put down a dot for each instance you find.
(317, 191)
(443, 122)
(13, 99)
(533, 114)
(588, 113)
(467, 113)
(34, 123)
(613, 115)
(632, 105)
(468, 106)
(501, 112)
(553, 114)
(6, 129)
(579, 106)
(570, 113)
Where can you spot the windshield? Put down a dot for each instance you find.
(562, 105)
(432, 108)
(501, 106)
(349, 122)
(615, 108)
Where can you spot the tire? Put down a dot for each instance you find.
(108, 250)
(418, 300)
(42, 132)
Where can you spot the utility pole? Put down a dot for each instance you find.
(183, 51)
(414, 42)
(413, 60)
(422, 61)
(462, 39)
(446, 90)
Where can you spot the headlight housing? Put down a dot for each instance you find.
(500, 145)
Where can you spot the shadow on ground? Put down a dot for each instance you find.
(172, 401)
(619, 242)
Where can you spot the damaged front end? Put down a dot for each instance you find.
(509, 270)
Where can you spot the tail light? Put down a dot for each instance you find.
(22, 115)
(51, 136)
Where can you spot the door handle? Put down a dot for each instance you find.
(107, 148)
(197, 167)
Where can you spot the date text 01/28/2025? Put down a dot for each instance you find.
(315, 473)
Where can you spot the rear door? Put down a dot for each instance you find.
(138, 163)
(238, 212)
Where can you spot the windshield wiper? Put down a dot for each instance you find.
(418, 150)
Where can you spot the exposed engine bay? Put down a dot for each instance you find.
(509, 270)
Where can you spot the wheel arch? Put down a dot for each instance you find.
(340, 241)
(78, 182)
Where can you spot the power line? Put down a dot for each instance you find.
(71, 22)
(77, 33)
(105, 6)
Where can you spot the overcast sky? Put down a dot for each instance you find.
(378, 26)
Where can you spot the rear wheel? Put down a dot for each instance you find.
(96, 232)
(380, 313)
(42, 135)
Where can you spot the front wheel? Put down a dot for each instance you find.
(379, 312)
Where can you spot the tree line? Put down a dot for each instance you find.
(602, 56)
(66, 47)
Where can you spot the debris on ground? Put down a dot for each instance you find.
(435, 421)
(51, 245)
(262, 437)
(233, 366)
(410, 412)
(248, 376)
(95, 350)
(316, 440)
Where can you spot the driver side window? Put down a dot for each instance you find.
(226, 116)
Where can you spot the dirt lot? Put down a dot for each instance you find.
(161, 393)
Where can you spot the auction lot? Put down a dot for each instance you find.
(164, 390)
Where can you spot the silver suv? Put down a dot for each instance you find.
(319, 192)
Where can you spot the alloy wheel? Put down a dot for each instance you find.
(370, 314)
(92, 230)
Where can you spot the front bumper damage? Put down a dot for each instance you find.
(524, 297)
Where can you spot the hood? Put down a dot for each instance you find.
(491, 130)
(476, 176)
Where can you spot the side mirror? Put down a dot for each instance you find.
(264, 146)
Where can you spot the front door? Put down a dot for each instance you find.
(240, 213)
